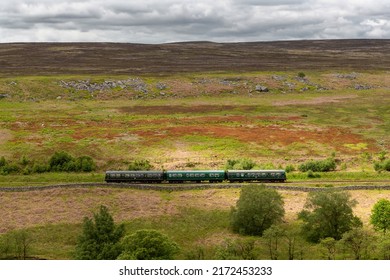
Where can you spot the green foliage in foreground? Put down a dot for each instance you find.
(148, 245)
(16, 245)
(380, 215)
(203, 234)
(100, 237)
(256, 210)
(328, 214)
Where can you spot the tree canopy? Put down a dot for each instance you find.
(380, 215)
(100, 237)
(256, 210)
(148, 245)
(328, 214)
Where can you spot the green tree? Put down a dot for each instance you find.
(100, 237)
(358, 242)
(384, 247)
(236, 250)
(273, 237)
(328, 214)
(380, 215)
(15, 245)
(148, 245)
(329, 243)
(256, 210)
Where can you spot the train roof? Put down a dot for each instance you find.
(262, 170)
(133, 171)
(184, 171)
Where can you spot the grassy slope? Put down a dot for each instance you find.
(203, 130)
(200, 120)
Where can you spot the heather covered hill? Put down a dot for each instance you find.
(135, 59)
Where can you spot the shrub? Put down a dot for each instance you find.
(141, 164)
(148, 245)
(290, 168)
(245, 164)
(8, 167)
(326, 165)
(312, 175)
(60, 161)
(24, 161)
(231, 163)
(85, 164)
(382, 166)
(40, 168)
(64, 162)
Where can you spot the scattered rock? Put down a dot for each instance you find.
(289, 85)
(278, 78)
(302, 80)
(133, 83)
(161, 86)
(261, 88)
(350, 76)
(4, 96)
(363, 87)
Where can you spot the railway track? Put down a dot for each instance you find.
(182, 187)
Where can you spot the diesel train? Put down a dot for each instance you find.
(195, 176)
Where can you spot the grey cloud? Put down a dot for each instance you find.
(156, 21)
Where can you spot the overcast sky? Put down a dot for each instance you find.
(161, 21)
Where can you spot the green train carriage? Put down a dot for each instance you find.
(134, 176)
(198, 176)
(256, 175)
